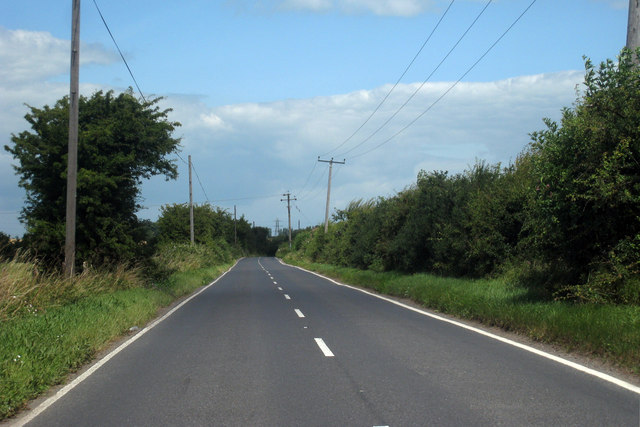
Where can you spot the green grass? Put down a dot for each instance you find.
(47, 333)
(610, 332)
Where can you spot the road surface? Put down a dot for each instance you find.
(270, 345)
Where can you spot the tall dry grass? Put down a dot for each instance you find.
(26, 287)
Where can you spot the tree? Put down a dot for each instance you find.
(584, 210)
(121, 141)
(209, 225)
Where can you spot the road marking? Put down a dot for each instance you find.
(275, 283)
(279, 288)
(325, 349)
(298, 312)
(286, 296)
(557, 359)
(66, 389)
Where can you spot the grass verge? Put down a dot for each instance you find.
(40, 347)
(610, 332)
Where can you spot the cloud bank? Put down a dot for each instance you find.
(403, 8)
(248, 154)
(377, 7)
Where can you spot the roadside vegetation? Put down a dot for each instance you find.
(127, 268)
(606, 331)
(548, 246)
(50, 326)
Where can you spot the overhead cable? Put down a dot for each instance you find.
(308, 177)
(315, 185)
(450, 87)
(396, 83)
(119, 51)
(193, 166)
(423, 83)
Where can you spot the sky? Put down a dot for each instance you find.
(263, 88)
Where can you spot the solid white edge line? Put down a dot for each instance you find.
(298, 312)
(67, 388)
(576, 366)
(323, 347)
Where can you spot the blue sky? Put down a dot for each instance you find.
(263, 87)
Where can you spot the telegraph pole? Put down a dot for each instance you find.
(326, 213)
(72, 157)
(190, 204)
(289, 199)
(633, 26)
(235, 227)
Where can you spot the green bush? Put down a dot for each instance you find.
(562, 221)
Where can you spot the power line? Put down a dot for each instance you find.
(450, 87)
(396, 83)
(309, 176)
(180, 157)
(270, 196)
(246, 198)
(314, 185)
(326, 214)
(302, 213)
(119, 51)
(199, 182)
(423, 83)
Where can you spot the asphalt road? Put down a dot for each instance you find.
(270, 345)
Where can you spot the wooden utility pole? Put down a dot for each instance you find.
(191, 231)
(289, 199)
(326, 213)
(72, 157)
(235, 227)
(633, 26)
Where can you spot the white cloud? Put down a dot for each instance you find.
(615, 4)
(258, 149)
(270, 148)
(387, 7)
(212, 121)
(32, 56)
(313, 5)
(377, 7)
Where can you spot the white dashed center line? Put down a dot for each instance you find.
(279, 288)
(298, 312)
(323, 347)
(286, 296)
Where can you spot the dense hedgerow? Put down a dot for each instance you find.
(563, 220)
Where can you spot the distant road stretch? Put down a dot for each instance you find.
(271, 345)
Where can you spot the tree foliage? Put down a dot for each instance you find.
(121, 141)
(584, 212)
(212, 225)
(564, 219)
